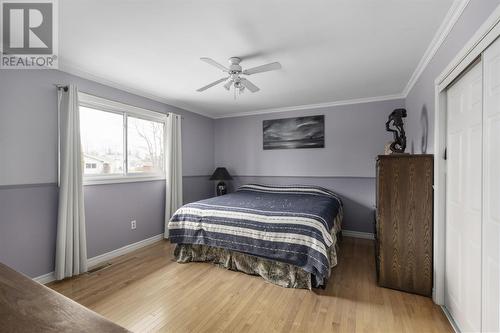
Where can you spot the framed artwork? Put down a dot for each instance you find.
(292, 133)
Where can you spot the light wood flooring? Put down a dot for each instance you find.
(146, 291)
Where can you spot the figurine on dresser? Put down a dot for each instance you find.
(395, 125)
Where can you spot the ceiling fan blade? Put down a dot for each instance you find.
(228, 84)
(214, 63)
(264, 68)
(212, 84)
(249, 85)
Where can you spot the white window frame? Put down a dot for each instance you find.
(102, 104)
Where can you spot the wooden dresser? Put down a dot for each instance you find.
(27, 306)
(403, 222)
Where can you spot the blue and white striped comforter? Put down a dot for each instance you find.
(291, 224)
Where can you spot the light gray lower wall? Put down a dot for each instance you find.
(110, 208)
(197, 188)
(28, 218)
(420, 100)
(108, 221)
(358, 195)
(28, 214)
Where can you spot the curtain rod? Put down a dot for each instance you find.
(168, 115)
(61, 86)
(65, 88)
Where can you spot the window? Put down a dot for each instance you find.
(120, 142)
(145, 145)
(101, 133)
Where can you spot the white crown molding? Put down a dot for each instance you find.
(312, 106)
(86, 75)
(451, 18)
(49, 277)
(73, 70)
(444, 30)
(487, 33)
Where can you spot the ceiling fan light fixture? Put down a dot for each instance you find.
(228, 84)
(234, 71)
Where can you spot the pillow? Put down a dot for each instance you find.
(290, 189)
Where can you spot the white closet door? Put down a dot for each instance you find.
(491, 189)
(463, 201)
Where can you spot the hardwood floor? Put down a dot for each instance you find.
(147, 291)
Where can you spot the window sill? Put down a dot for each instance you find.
(120, 179)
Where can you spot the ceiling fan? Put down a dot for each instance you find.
(235, 71)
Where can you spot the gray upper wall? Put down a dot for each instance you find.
(28, 125)
(420, 100)
(354, 135)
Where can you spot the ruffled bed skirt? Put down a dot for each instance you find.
(279, 273)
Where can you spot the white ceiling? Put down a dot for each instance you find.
(331, 50)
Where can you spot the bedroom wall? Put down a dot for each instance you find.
(420, 100)
(354, 135)
(28, 170)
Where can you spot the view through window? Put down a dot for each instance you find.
(145, 145)
(106, 136)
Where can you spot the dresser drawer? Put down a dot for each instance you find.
(403, 223)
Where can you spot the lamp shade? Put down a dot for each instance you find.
(221, 174)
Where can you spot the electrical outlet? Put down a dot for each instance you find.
(133, 225)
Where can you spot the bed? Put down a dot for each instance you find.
(286, 234)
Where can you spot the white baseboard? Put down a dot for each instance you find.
(123, 250)
(358, 234)
(49, 277)
(46, 278)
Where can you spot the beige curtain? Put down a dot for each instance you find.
(173, 168)
(71, 246)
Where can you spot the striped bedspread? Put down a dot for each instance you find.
(291, 224)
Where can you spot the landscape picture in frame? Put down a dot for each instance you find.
(293, 133)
